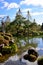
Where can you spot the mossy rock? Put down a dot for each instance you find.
(40, 61)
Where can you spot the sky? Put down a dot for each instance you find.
(10, 7)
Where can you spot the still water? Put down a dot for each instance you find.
(34, 42)
(39, 42)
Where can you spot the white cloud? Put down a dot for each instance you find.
(37, 13)
(9, 5)
(12, 5)
(32, 2)
(1, 16)
(33, 13)
(6, 4)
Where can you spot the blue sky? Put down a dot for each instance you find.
(10, 7)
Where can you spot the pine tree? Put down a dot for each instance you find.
(42, 27)
(7, 21)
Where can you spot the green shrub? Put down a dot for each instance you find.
(10, 43)
(6, 42)
(41, 32)
(40, 61)
(6, 50)
(32, 58)
(1, 39)
(14, 48)
(35, 33)
(8, 34)
(7, 37)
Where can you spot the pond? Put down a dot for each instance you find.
(39, 42)
(35, 42)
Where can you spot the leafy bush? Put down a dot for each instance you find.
(8, 34)
(40, 61)
(6, 42)
(6, 50)
(14, 48)
(35, 33)
(10, 43)
(7, 37)
(25, 57)
(1, 39)
(41, 32)
(32, 58)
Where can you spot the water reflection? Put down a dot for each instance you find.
(35, 42)
(26, 41)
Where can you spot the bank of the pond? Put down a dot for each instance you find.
(20, 51)
(15, 60)
(6, 56)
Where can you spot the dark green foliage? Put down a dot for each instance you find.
(22, 26)
(31, 56)
(41, 32)
(7, 37)
(8, 34)
(25, 57)
(42, 27)
(1, 39)
(13, 48)
(40, 61)
(6, 50)
(33, 52)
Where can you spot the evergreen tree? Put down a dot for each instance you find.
(7, 21)
(42, 27)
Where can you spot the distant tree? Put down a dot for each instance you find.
(3, 25)
(28, 15)
(28, 20)
(33, 25)
(42, 27)
(7, 21)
